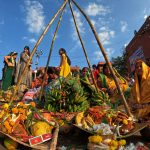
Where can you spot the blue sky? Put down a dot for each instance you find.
(22, 22)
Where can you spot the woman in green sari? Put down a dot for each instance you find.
(8, 70)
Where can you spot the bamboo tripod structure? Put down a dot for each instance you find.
(61, 9)
(97, 39)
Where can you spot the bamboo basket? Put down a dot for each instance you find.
(49, 145)
(137, 127)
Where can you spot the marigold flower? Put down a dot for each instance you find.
(23, 117)
(125, 121)
(114, 143)
(122, 142)
(12, 123)
(112, 148)
(21, 104)
(5, 106)
(8, 127)
(15, 110)
(21, 111)
(95, 139)
(2, 113)
(32, 104)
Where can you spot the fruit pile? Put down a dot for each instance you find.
(104, 121)
(74, 95)
(20, 121)
(70, 97)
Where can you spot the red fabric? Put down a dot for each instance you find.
(38, 82)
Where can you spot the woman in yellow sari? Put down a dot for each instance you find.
(108, 83)
(141, 90)
(64, 63)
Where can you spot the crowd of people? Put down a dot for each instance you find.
(136, 91)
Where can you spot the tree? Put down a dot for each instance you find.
(120, 64)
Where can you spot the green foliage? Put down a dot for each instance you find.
(119, 63)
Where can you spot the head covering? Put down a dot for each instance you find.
(26, 47)
(12, 53)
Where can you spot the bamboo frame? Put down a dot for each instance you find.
(83, 47)
(35, 47)
(106, 59)
(50, 52)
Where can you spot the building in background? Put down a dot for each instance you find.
(139, 46)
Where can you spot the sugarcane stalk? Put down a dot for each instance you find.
(106, 58)
(50, 52)
(35, 48)
(83, 47)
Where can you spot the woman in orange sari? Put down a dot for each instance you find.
(141, 90)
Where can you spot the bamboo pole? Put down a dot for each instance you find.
(35, 47)
(83, 47)
(106, 59)
(50, 52)
(53, 144)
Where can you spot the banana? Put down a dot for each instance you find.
(84, 124)
(78, 118)
(89, 120)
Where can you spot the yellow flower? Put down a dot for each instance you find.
(8, 127)
(114, 143)
(5, 106)
(112, 148)
(95, 139)
(125, 121)
(12, 123)
(122, 142)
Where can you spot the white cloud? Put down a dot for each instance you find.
(123, 26)
(145, 17)
(34, 16)
(99, 57)
(112, 33)
(79, 24)
(103, 28)
(94, 9)
(93, 22)
(32, 40)
(105, 36)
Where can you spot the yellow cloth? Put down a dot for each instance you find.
(64, 68)
(111, 85)
(141, 94)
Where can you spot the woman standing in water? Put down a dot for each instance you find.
(64, 63)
